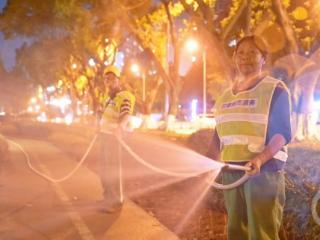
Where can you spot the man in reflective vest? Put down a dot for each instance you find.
(116, 119)
(253, 129)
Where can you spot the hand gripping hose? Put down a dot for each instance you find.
(235, 184)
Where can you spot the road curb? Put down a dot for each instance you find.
(135, 224)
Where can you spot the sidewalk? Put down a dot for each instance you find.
(134, 223)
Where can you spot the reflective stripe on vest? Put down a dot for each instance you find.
(254, 145)
(242, 121)
(230, 117)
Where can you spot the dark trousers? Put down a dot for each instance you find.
(255, 208)
(109, 168)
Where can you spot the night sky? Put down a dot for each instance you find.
(8, 47)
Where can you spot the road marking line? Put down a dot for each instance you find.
(75, 217)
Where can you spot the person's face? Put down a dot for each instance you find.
(248, 58)
(111, 82)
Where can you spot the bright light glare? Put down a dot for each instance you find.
(33, 100)
(57, 120)
(62, 102)
(74, 66)
(30, 109)
(135, 68)
(37, 108)
(91, 62)
(192, 45)
(316, 105)
(194, 106)
(135, 122)
(60, 83)
(156, 116)
(51, 88)
(316, 111)
(42, 117)
(233, 43)
(68, 119)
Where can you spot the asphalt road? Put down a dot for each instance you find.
(33, 208)
(163, 178)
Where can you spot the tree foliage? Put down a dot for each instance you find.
(41, 61)
(287, 25)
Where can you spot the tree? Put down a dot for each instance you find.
(59, 29)
(297, 34)
(83, 26)
(41, 61)
(2, 70)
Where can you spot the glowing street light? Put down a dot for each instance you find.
(74, 66)
(91, 62)
(135, 68)
(33, 100)
(192, 46)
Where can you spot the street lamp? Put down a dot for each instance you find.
(192, 45)
(135, 68)
(74, 66)
(91, 62)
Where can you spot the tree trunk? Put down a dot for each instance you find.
(286, 25)
(174, 68)
(234, 20)
(148, 105)
(129, 26)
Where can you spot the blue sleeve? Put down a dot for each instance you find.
(279, 117)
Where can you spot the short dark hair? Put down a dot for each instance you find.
(257, 41)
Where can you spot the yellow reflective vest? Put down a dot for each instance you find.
(123, 103)
(242, 121)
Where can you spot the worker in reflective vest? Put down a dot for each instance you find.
(119, 104)
(253, 129)
(117, 111)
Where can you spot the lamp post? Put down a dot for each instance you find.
(193, 46)
(135, 68)
(204, 81)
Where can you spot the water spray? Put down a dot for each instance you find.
(214, 172)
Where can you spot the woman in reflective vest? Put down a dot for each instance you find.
(253, 129)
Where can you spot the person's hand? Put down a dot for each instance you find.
(255, 166)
